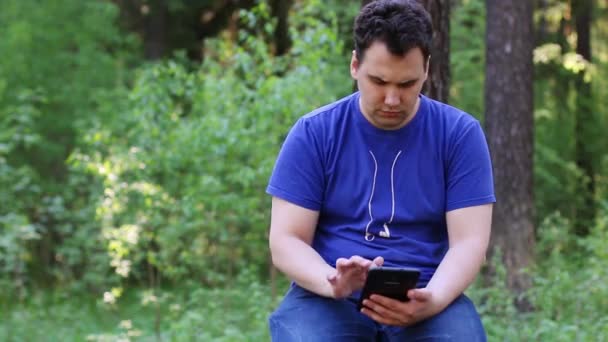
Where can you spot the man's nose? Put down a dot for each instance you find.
(392, 98)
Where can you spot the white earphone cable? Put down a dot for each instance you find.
(386, 233)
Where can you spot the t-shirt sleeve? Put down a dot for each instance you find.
(469, 171)
(298, 175)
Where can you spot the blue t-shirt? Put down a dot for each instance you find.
(384, 193)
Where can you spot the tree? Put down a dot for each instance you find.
(155, 27)
(585, 120)
(438, 84)
(280, 10)
(510, 128)
(169, 25)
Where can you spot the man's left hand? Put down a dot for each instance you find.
(385, 310)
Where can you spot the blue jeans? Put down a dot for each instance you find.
(306, 317)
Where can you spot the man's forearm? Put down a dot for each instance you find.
(301, 263)
(457, 270)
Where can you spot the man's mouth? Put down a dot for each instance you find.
(391, 114)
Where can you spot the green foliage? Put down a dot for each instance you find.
(556, 171)
(237, 311)
(569, 292)
(556, 99)
(53, 316)
(229, 313)
(183, 169)
(58, 54)
(59, 59)
(556, 117)
(467, 56)
(142, 185)
(17, 229)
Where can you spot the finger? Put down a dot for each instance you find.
(378, 261)
(375, 316)
(360, 261)
(421, 295)
(375, 305)
(352, 266)
(343, 265)
(342, 262)
(389, 303)
(379, 313)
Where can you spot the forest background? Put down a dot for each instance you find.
(137, 138)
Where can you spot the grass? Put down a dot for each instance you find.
(195, 314)
(239, 314)
(59, 316)
(569, 296)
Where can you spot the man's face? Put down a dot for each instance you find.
(389, 85)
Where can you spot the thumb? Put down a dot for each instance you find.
(421, 295)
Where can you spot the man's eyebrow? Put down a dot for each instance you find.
(378, 78)
(413, 80)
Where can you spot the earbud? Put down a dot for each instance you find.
(386, 233)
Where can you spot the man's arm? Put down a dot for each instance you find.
(469, 236)
(292, 229)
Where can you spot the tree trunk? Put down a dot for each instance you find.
(585, 120)
(282, 40)
(510, 129)
(542, 28)
(156, 25)
(438, 83)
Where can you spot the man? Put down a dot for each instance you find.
(383, 176)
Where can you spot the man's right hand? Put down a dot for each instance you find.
(350, 275)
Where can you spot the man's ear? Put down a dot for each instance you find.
(428, 66)
(354, 65)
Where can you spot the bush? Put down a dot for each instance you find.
(184, 168)
(569, 292)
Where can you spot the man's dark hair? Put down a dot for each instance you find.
(401, 24)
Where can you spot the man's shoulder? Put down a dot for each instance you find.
(331, 111)
(448, 113)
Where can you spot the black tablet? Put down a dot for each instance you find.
(393, 282)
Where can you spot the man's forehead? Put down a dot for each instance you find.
(381, 47)
(379, 54)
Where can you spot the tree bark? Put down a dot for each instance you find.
(216, 18)
(282, 40)
(510, 129)
(585, 120)
(163, 29)
(156, 25)
(438, 83)
(541, 29)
